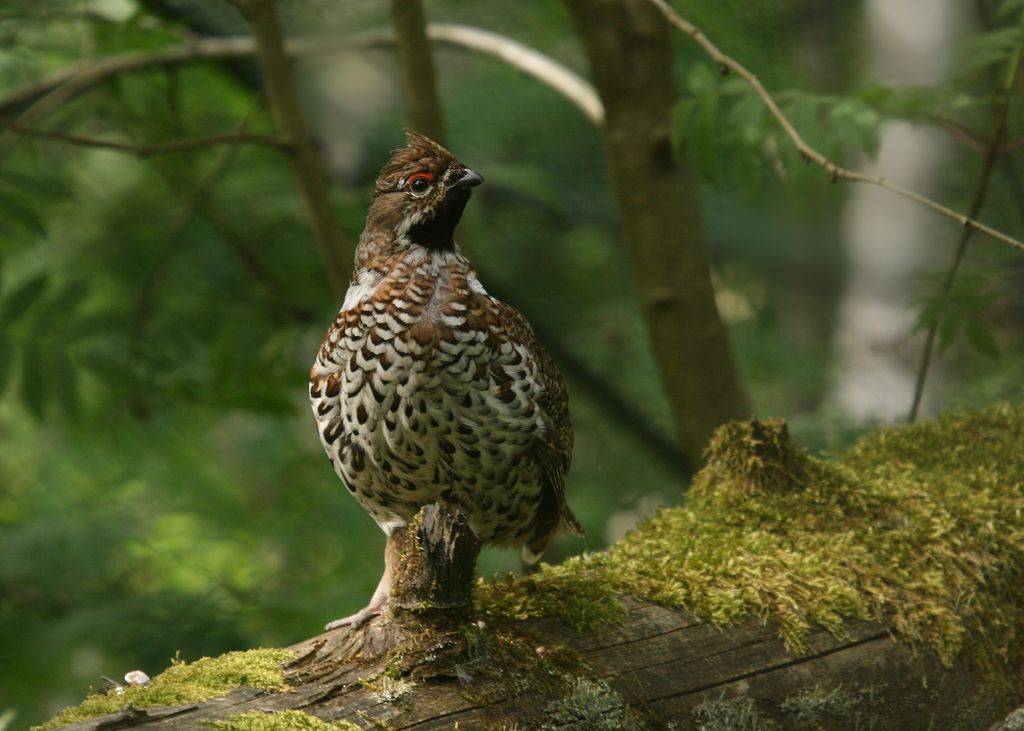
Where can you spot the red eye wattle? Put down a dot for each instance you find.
(419, 182)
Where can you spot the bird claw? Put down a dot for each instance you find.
(357, 620)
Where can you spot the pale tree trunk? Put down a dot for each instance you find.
(890, 241)
(627, 43)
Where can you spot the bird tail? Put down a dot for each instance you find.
(567, 523)
(571, 524)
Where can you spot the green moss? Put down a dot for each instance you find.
(573, 590)
(748, 458)
(184, 683)
(279, 721)
(919, 527)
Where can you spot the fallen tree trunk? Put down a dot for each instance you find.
(662, 665)
(882, 591)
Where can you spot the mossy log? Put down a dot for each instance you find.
(880, 591)
(658, 665)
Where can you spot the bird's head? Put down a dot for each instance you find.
(420, 194)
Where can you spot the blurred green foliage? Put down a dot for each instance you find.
(162, 489)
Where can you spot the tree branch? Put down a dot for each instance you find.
(305, 160)
(87, 74)
(541, 68)
(157, 148)
(81, 78)
(1011, 145)
(836, 172)
(416, 69)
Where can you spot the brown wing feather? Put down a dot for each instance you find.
(552, 451)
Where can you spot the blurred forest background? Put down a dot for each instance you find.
(162, 489)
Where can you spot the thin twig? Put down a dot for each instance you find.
(835, 172)
(156, 148)
(1011, 145)
(87, 74)
(977, 201)
(1013, 178)
(959, 132)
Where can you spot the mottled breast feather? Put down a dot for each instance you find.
(427, 388)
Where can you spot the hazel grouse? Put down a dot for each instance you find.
(426, 388)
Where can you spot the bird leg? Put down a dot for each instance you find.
(392, 551)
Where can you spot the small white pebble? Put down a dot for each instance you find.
(136, 678)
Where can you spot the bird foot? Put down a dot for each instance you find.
(357, 620)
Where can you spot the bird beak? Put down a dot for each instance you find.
(469, 180)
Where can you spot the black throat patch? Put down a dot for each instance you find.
(437, 232)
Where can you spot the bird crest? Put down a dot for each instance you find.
(421, 155)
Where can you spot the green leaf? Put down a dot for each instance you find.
(995, 47)
(704, 87)
(13, 210)
(1009, 7)
(855, 123)
(33, 389)
(702, 81)
(949, 326)
(58, 309)
(18, 302)
(681, 118)
(749, 168)
(89, 326)
(980, 336)
(6, 362)
(65, 383)
(931, 312)
(802, 112)
(748, 116)
(112, 369)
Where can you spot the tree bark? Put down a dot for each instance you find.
(627, 42)
(416, 69)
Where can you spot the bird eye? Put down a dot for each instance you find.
(420, 182)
